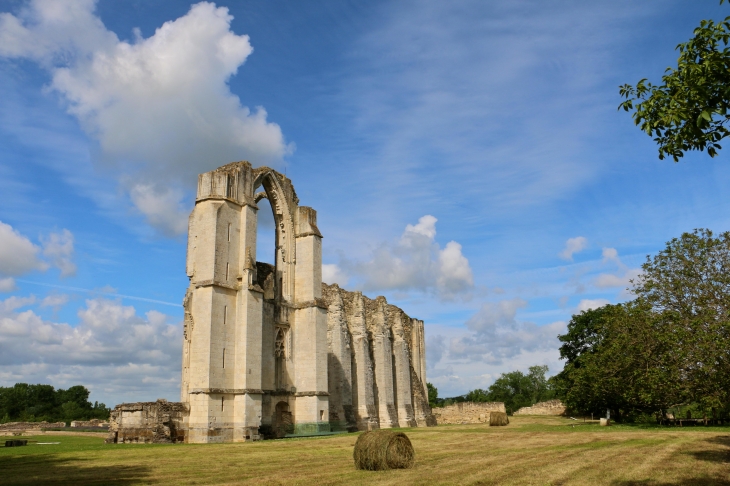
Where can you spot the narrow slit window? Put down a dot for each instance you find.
(221, 404)
(224, 358)
(225, 314)
(229, 231)
(228, 266)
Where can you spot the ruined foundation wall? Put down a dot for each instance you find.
(148, 422)
(89, 423)
(21, 426)
(551, 407)
(385, 358)
(467, 412)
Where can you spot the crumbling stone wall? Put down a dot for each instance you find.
(89, 423)
(551, 407)
(467, 412)
(148, 422)
(31, 426)
(376, 362)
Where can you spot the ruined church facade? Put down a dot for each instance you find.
(270, 349)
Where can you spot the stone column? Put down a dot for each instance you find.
(310, 326)
(383, 365)
(210, 319)
(249, 315)
(416, 348)
(363, 396)
(422, 343)
(339, 360)
(402, 369)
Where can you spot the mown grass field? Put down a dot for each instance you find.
(531, 450)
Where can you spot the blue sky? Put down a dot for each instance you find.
(466, 160)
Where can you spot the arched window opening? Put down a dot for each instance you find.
(265, 233)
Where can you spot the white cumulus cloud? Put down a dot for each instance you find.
(590, 304)
(59, 249)
(497, 335)
(416, 262)
(56, 301)
(7, 284)
(163, 207)
(573, 246)
(332, 273)
(113, 350)
(18, 255)
(160, 107)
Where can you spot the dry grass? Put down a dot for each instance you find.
(531, 450)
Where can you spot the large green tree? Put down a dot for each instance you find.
(689, 284)
(691, 108)
(619, 357)
(670, 345)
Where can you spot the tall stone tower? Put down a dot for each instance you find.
(255, 338)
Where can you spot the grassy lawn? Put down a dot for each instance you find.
(531, 450)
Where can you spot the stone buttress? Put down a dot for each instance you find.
(385, 350)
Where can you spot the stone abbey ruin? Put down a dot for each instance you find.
(269, 350)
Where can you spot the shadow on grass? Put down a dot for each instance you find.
(50, 469)
(717, 481)
(719, 455)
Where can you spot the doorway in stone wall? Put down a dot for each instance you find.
(283, 420)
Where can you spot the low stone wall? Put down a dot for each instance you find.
(21, 426)
(89, 423)
(551, 407)
(148, 422)
(467, 412)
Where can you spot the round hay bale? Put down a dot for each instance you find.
(383, 449)
(498, 418)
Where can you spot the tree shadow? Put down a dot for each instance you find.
(718, 455)
(51, 469)
(706, 481)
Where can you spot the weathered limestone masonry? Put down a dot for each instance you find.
(551, 407)
(263, 348)
(19, 428)
(89, 423)
(270, 350)
(467, 412)
(147, 422)
(376, 371)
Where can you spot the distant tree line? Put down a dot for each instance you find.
(35, 403)
(516, 389)
(668, 347)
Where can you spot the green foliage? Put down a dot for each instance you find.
(433, 394)
(669, 346)
(515, 389)
(34, 403)
(625, 361)
(690, 110)
(689, 284)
